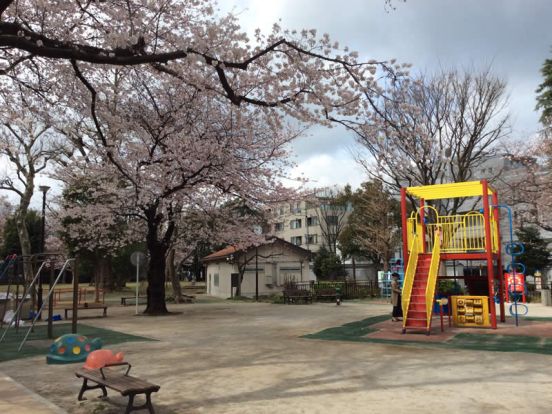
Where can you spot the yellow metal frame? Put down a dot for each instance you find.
(452, 190)
(432, 276)
(461, 233)
(409, 275)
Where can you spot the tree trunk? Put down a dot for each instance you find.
(354, 268)
(385, 264)
(171, 275)
(25, 241)
(156, 280)
(107, 280)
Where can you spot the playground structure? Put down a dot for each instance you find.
(430, 239)
(22, 290)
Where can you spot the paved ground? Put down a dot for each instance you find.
(232, 357)
(15, 398)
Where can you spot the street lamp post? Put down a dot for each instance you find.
(44, 189)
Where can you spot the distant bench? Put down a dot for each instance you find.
(326, 293)
(124, 299)
(295, 295)
(122, 383)
(87, 306)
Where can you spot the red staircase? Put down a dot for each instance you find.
(416, 315)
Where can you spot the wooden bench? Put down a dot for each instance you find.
(124, 299)
(87, 306)
(118, 381)
(293, 296)
(326, 293)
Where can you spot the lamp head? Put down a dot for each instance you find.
(44, 188)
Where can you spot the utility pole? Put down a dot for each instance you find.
(44, 189)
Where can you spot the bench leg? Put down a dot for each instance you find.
(131, 407)
(105, 313)
(65, 313)
(148, 403)
(86, 387)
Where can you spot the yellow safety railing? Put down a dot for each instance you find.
(461, 233)
(409, 276)
(432, 275)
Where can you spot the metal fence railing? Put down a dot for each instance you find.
(348, 289)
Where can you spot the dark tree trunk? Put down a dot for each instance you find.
(157, 248)
(156, 281)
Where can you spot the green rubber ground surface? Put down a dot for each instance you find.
(357, 331)
(38, 344)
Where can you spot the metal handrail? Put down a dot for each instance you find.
(409, 275)
(432, 276)
(460, 232)
(61, 272)
(20, 305)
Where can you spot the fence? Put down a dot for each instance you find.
(348, 289)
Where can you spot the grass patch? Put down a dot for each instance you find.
(357, 331)
(353, 331)
(38, 344)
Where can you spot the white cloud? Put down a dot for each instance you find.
(330, 169)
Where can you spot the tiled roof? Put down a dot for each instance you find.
(227, 251)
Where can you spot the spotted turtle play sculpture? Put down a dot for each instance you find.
(71, 348)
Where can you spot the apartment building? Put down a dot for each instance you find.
(310, 223)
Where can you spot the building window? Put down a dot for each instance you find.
(295, 224)
(295, 208)
(279, 227)
(296, 240)
(312, 221)
(216, 279)
(311, 239)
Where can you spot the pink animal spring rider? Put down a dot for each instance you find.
(102, 357)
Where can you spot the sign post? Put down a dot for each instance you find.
(137, 259)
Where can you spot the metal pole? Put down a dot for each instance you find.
(404, 229)
(51, 304)
(489, 251)
(137, 281)
(496, 214)
(74, 316)
(257, 274)
(42, 247)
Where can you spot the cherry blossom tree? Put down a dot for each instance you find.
(162, 150)
(305, 75)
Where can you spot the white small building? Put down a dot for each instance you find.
(267, 266)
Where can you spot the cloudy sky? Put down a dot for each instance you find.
(513, 37)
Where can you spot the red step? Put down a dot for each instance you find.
(416, 307)
(416, 323)
(417, 314)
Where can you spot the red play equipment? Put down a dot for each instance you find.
(514, 283)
